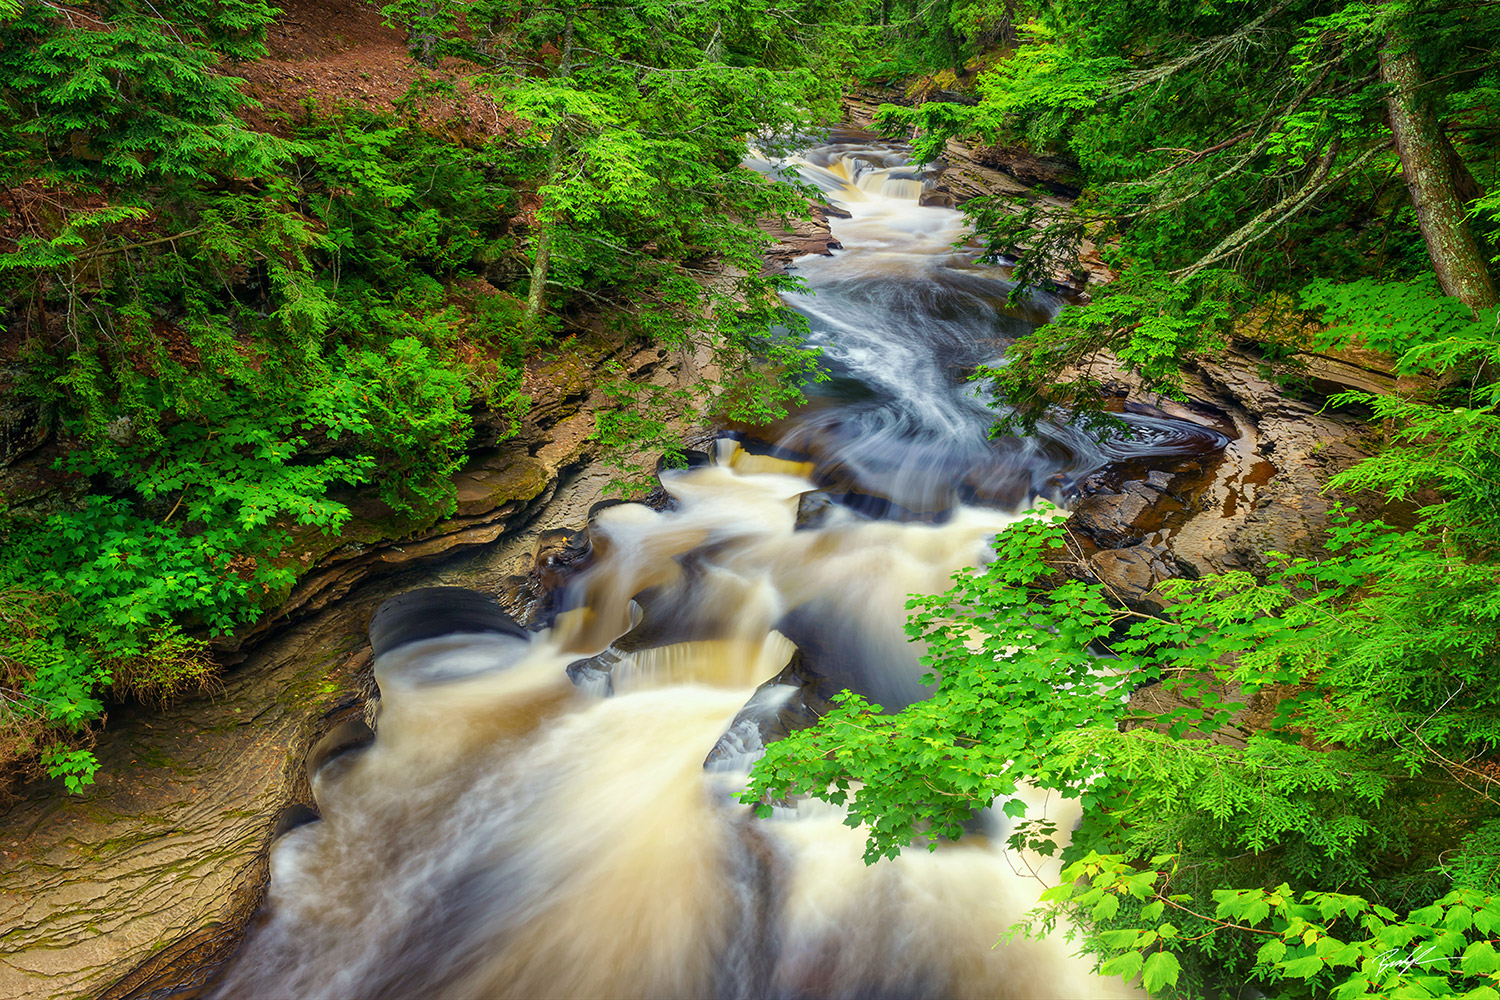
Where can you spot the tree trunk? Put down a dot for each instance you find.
(1468, 190)
(536, 293)
(1461, 269)
(1007, 29)
(423, 43)
(955, 53)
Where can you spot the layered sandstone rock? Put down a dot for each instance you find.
(144, 883)
(1266, 493)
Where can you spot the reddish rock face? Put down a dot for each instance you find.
(800, 237)
(1265, 493)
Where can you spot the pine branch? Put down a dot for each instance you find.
(1267, 221)
(1213, 47)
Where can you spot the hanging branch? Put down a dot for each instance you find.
(1245, 159)
(1264, 223)
(1212, 48)
(1195, 156)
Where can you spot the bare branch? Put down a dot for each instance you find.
(1243, 161)
(1213, 48)
(1267, 221)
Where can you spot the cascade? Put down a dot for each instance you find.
(553, 813)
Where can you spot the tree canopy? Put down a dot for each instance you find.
(231, 315)
(1230, 151)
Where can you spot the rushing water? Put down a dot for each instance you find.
(535, 817)
(902, 318)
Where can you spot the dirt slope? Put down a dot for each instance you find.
(341, 53)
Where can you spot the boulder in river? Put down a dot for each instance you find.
(1115, 518)
(794, 699)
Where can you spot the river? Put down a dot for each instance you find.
(553, 813)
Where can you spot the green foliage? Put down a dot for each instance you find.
(1022, 698)
(943, 38)
(1451, 442)
(75, 767)
(1168, 323)
(93, 598)
(117, 585)
(236, 28)
(974, 740)
(1240, 138)
(1454, 448)
(230, 330)
(130, 102)
(1376, 659)
(1367, 768)
(417, 410)
(1396, 317)
(1044, 82)
(221, 358)
(1330, 944)
(645, 209)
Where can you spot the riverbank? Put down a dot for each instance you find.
(190, 799)
(146, 880)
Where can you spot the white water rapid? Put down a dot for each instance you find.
(903, 314)
(553, 815)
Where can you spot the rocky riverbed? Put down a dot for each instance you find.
(144, 884)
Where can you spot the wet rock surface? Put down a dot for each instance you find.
(22, 428)
(429, 612)
(800, 237)
(151, 873)
(1117, 518)
(1266, 493)
(794, 699)
(142, 885)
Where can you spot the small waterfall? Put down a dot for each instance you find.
(510, 835)
(553, 814)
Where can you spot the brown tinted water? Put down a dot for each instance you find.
(511, 834)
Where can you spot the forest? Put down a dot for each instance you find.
(227, 316)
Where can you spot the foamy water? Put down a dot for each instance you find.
(510, 833)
